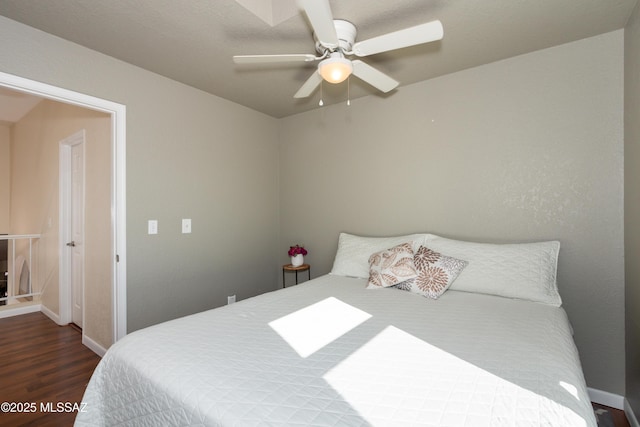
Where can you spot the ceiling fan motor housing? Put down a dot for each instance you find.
(346, 32)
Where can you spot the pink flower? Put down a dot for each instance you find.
(297, 250)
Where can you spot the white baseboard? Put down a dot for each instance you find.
(25, 309)
(86, 341)
(605, 398)
(631, 417)
(50, 314)
(93, 346)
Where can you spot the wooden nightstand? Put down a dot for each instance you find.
(289, 267)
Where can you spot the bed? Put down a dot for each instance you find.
(330, 352)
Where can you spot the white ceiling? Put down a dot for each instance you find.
(193, 41)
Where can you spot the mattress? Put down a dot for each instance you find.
(329, 352)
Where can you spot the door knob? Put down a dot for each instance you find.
(71, 243)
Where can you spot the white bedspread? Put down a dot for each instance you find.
(331, 353)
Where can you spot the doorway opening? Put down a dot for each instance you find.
(117, 113)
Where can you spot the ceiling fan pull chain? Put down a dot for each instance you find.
(321, 103)
(348, 91)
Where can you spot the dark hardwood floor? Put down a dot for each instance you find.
(616, 416)
(43, 364)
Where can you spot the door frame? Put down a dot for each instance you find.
(66, 289)
(118, 189)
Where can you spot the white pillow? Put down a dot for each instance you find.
(524, 270)
(352, 257)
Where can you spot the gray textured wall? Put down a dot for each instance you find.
(529, 148)
(632, 206)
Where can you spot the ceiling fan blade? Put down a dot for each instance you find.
(321, 19)
(309, 86)
(375, 78)
(424, 33)
(255, 59)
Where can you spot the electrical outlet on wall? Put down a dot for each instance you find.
(231, 299)
(152, 226)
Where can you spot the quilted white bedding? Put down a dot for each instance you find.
(331, 353)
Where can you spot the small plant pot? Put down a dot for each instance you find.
(297, 260)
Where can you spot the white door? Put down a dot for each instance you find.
(77, 231)
(75, 221)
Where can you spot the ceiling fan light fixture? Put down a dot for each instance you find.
(335, 69)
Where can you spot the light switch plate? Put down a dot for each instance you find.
(186, 226)
(152, 226)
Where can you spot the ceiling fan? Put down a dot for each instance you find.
(335, 42)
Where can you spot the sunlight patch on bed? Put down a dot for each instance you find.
(395, 371)
(573, 391)
(311, 328)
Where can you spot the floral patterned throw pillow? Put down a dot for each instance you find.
(391, 266)
(436, 272)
